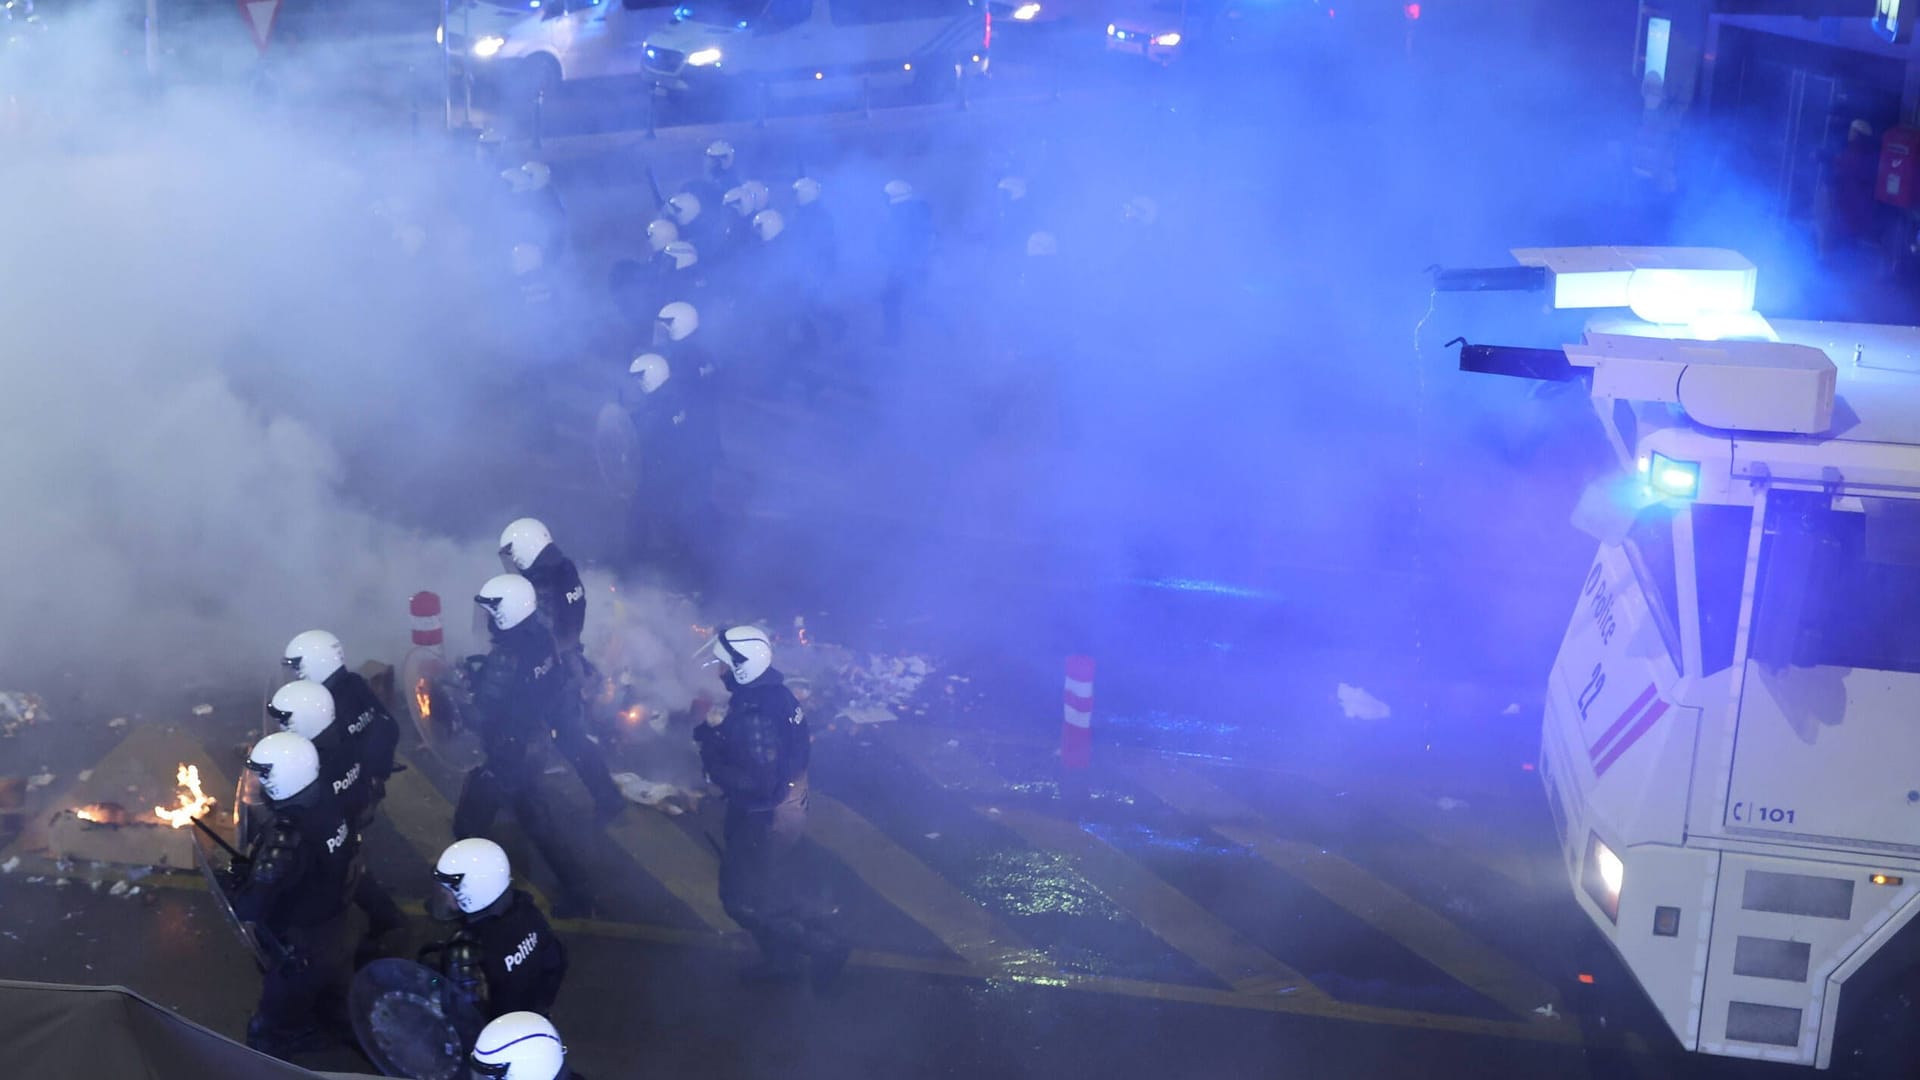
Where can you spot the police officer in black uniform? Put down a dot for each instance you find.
(295, 886)
(758, 756)
(370, 737)
(504, 958)
(518, 688)
(527, 548)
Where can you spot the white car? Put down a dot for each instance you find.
(784, 47)
(569, 41)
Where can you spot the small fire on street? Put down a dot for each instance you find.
(106, 815)
(422, 700)
(192, 801)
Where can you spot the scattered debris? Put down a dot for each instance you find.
(117, 722)
(10, 865)
(953, 744)
(669, 799)
(933, 836)
(84, 775)
(39, 780)
(1360, 705)
(203, 710)
(994, 810)
(1547, 1011)
(18, 710)
(120, 888)
(1448, 802)
(1511, 710)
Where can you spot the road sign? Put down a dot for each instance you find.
(259, 16)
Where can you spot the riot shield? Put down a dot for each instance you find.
(435, 693)
(616, 446)
(250, 810)
(204, 857)
(409, 1022)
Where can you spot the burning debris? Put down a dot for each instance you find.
(106, 814)
(191, 802)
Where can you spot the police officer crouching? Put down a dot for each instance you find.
(295, 887)
(519, 1046)
(757, 754)
(504, 958)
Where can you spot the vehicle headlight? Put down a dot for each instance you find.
(1112, 30)
(706, 57)
(1026, 12)
(1602, 876)
(488, 46)
(1168, 39)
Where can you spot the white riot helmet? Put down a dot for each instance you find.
(745, 650)
(683, 253)
(898, 191)
(684, 207)
(302, 707)
(508, 600)
(1013, 187)
(286, 764)
(315, 655)
(1042, 243)
(769, 224)
(739, 200)
(660, 233)
(805, 191)
(474, 872)
(719, 154)
(526, 259)
(678, 320)
(528, 178)
(522, 542)
(652, 371)
(518, 1046)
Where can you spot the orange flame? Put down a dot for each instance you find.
(633, 716)
(422, 699)
(98, 813)
(193, 801)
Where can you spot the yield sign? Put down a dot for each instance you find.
(259, 16)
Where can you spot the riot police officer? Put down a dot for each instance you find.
(757, 754)
(504, 958)
(372, 736)
(517, 690)
(527, 548)
(519, 1046)
(295, 886)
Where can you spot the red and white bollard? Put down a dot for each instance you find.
(428, 631)
(1076, 729)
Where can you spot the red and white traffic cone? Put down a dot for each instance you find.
(1076, 729)
(428, 631)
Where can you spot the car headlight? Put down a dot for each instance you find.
(706, 57)
(1168, 39)
(488, 46)
(1602, 876)
(1112, 30)
(1026, 12)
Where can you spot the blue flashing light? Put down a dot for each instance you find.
(682, 13)
(1673, 478)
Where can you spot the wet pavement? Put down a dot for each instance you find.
(1152, 913)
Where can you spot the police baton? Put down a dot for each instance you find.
(218, 839)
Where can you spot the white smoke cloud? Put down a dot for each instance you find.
(215, 352)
